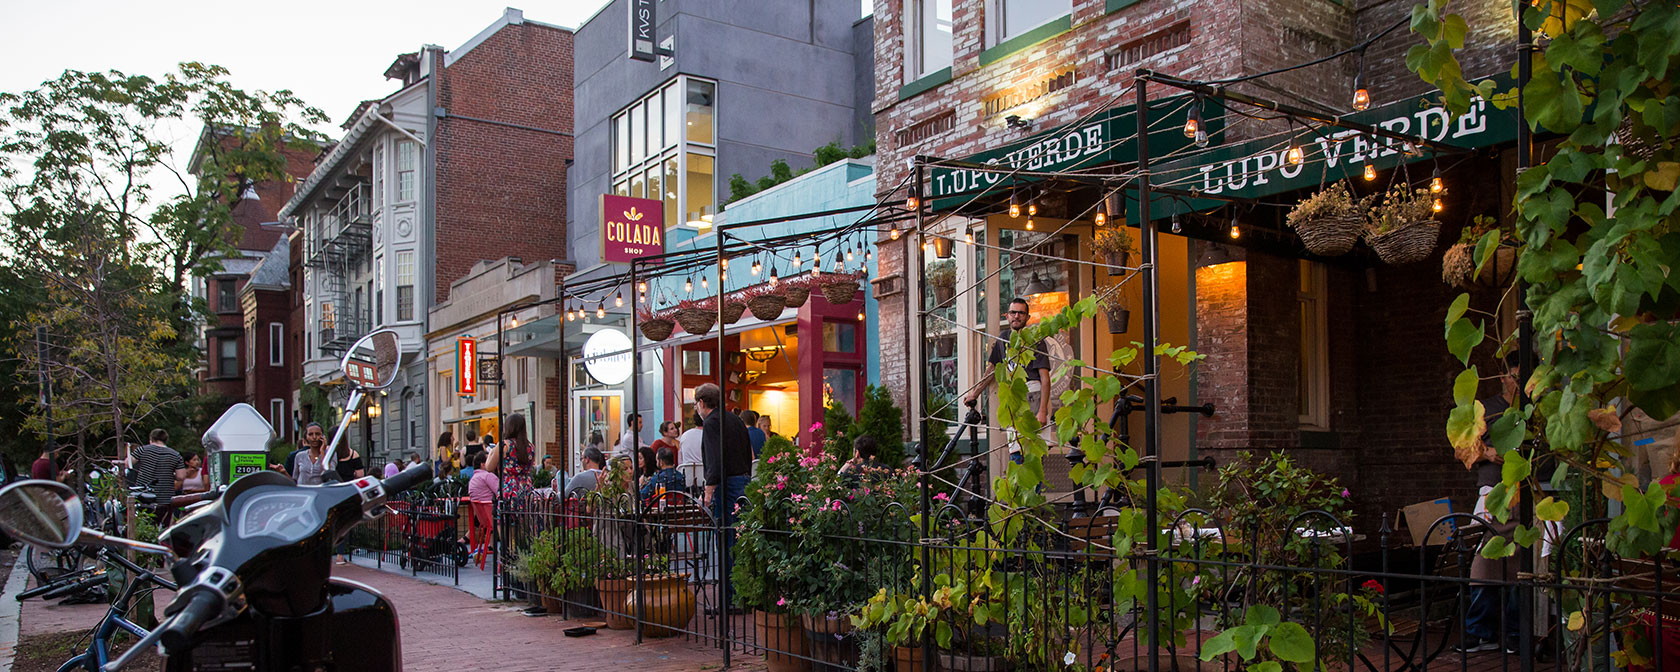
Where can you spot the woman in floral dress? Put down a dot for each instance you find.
(514, 459)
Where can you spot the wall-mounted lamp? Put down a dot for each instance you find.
(1017, 121)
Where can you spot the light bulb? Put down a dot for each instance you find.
(1101, 218)
(642, 286)
(868, 255)
(1014, 205)
(1295, 156)
(704, 283)
(644, 297)
(1193, 122)
(773, 278)
(1235, 232)
(1176, 226)
(1032, 209)
(1437, 205)
(601, 309)
(1370, 172)
(756, 267)
(1436, 184)
(724, 262)
(618, 300)
(894, 232)
(688, 285)
(860, 316)
(911, 203)
(1029, 224)
(1361, 95)
(796, 262)
(848, 254)
(968, 236)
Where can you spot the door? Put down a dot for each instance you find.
(594, 411)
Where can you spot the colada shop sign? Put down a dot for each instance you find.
(631, 228)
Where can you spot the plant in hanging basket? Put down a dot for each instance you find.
(796, 290)
(1114, 243)
(656, 325)
(840, 288)
(733, 307)
(1400, 227)
(1458, 264)
(1329, 221)
(942, 278)
(1114, 306)
(697, 315)
(765, 302)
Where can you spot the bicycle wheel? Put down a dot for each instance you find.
(46, 564)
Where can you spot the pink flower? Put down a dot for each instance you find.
(941, 497)
(1346, 494)
(781, 602)
(792, 520)
(809, 462)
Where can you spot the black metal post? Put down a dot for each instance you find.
(635, 452)
(1525, 364)
(913, 264)
(1151, 364)
(722, 507)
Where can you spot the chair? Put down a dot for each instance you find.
(694, 474)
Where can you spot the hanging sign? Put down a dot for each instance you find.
(606, 355)
(466, 366)
(643, 15)
(631, 228)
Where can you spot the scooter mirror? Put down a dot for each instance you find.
(372, 362)
(41, 513)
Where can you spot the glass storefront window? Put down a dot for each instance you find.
(696, 363)
(636, 186)
(670, 182)
(839, 337)
(700, 198)
(841, 385)
(621, 143)
(653, 182)
(701, 96)
(638, 132)
(673, 116)
(622, 188)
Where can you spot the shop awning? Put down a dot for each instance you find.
(537, 338)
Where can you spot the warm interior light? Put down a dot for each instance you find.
(1370, 172)
(724, 262)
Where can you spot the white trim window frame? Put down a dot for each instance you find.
(408, 164)
(1001, 28)
(919, 45)
(276, 344)
(277, 417)
(1313, 400)
(658, 148)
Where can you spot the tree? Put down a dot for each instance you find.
(112, 252)
(1600, 279)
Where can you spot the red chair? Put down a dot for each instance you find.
(483, 518)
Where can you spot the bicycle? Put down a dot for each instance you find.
(140, 581)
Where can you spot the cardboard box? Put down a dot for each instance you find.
(1420, 516)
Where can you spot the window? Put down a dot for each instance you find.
(521, 382)
(446, 385)
(227, 357)
(378, 175)
(1313, 391)
(929, 36)
(227, 300)
(276, 344)
(701, 202)
(379, 290)
(1016, 17)
(277, 417)
(405, 286)
(701, 98)
(638, 132)
(250, 346)
(661, 149)
(408, 159)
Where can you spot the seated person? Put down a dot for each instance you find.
(483, 485)
(863, 459)
(667, 477)
(587, 480)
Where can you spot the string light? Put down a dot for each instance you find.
(1029, 224)
(848, 253)
(688, 284)
(618, 300)
(913, 201)
(1032, 208)
(601, 310)
(724, 262)
(1294, 156)
(1014, 204)
(1361, 95)
(1436, 184)
(704, 284)
(840, 264)
(1193, 123)
(796, 261)
(642, 286)
(773, 278)
(1100, 218)
(1370, 172)
(1437, 205)
(894, 232)
(968, 235)
(1176, 226)
(860, 316)
(756, 267)
(868, 255)
(1235, 232)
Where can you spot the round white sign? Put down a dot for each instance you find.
(607, 356)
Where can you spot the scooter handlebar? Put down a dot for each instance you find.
(177, 635)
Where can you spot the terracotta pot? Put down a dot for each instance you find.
(666, 603)
(780, 635)
(553, 605)
(831, 642)
(615, 597)
(907, 659)
(583, 603)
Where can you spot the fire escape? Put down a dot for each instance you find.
(338, 249)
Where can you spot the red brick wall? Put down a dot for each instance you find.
(502, 190)
(264, 382)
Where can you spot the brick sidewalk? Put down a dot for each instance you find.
(446, 630)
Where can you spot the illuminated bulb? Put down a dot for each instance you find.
(601, 310)
(1437, 205)
(1235, 232)
(860, 316)
(1193, 123)
(1032, 209)
(1370, 172)
(1436, 184)
(618, 300)
(705, 284)
(688, 285)
(1014, 205)
(848, 254)
(796, 262)
(1100, 218)
(968, 236)
(642, 286)
(839, 264)
(724, 262)
(867, 255)
(1294, 156)
(644, 298)
(893, 233)
(1029, 224)
(756, 267)
(1361, 95)
(911, 203)
(773, 278)
(1176, 226)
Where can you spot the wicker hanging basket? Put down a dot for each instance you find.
(1331, 235)
(733, 308)
(1458, 267)
(795, 295)
(657, 328)
(696, 321)
(840, 290)
(767, 306)
(1405, 244)
(1458, 263)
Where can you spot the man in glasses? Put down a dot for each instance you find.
(1038, 372)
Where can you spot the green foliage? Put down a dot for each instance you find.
(837, 429)
(1599, 281)
(740, 187)
(884, 420)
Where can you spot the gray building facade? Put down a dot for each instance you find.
(748, 83)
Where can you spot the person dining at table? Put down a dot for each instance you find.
(667, 479)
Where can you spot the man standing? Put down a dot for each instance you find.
(755, 436)
(727, 458)
(154, 467)
(45, 467)
(688, 444)
(1038, 373)
(627, 442)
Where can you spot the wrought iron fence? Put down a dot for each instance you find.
(1065, 596)
(420, 532)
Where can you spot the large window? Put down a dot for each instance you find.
(1012, 18)
(227, 298)
(276, 344)
(663, 149)
(277, 417)
(1313, 391)
(408, 162)
(928, 36)
(405, 286)
(379, 291)
(227, 357)
(378, 175)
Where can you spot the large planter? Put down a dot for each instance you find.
(767, 306)
(553, 605)
(1405, 244)
(696, 321)
(831, 642)
(1117, 261)
(783, 641)
(615, 600)
(732, 310)
(1331, 235)
(657, 329)
(840, 292)
(582, 603)
(1458, 267)
(907, 658)
(961, 662)
(666, 604)
(795, 295)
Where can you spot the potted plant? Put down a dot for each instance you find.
(1328, 221)
(697, 315)
(839, 288)
(733, 307)
(942, 277)
(1458, 263)
(1400, 227)
(1114, 243)
(1114, 307)
(575, 570)
(656, 325)
(906, 618)
(796, 290)
(766, 554)
(765, 302)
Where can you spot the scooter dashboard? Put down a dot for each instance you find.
(287, 516)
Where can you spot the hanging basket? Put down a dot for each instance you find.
(733, 308)
(840, 291)
(696, 321)
(1331, 235)
(795, 295)
(767, 306)
(1458, 267)
(657, 328)
(1117, 262)
(1407, 243)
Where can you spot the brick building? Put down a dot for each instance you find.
(229, 369)
(1338, 360)
(464, 162)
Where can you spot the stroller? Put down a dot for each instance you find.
(426, 521)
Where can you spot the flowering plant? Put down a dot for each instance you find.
(769, 564)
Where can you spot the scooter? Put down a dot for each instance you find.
(255, 565)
